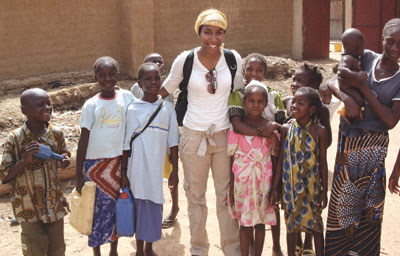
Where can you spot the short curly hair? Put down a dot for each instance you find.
(255, 84)
(144, 66)
(393, 23)
(103, 60)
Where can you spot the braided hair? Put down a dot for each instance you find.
(315, 74)
(314, 98)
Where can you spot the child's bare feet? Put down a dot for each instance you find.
(150, 253)
(148, 250)
(113, 248)
(277, 251)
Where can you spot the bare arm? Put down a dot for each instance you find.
(355, 94)
(394, 177)
(173, 178)
(323, 166)
(265, 131)
(287, 102)
(80, 158)
(275, 148)
(277, 177)
(30, 149)
(389, 116)
(241, 127)
(326, 122)
(268, 129)
(163, 92)
(231, 183)
(352, 108)
(360, 75)
(124, 169)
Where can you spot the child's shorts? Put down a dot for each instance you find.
(148, 220)
(40, 238)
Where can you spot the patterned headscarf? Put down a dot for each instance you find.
(211, 17)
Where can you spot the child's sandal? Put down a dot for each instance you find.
(308, 252)
(298, 250)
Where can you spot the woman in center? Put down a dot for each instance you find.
(203, 142)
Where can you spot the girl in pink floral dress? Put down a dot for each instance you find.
(253, 160)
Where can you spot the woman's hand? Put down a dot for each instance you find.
(352, 110)
(350, 79)
(268, 129)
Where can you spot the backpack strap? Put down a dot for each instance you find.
(232, 65)
(187, 71)
(188, 65)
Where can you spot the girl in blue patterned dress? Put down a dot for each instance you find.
(302, 167)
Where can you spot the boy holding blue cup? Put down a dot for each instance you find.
(36, 195)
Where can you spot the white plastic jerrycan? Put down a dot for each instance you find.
(82, 206)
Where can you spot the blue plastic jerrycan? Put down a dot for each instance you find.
(125, 213)
(45, 153)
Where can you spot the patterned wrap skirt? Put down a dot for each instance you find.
(106, 173)
(358, 192)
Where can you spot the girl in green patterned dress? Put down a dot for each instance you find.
(302, 167)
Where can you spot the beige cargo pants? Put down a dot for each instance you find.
(200, 151)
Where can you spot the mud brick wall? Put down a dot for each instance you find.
(45, 36)
(40, 37)
(253, 26)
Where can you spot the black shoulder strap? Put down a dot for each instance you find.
(231, 61)
(147, 124)
(187, 70)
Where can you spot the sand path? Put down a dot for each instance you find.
(175, 241)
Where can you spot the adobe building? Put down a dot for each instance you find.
(46, 37)
(369, 16)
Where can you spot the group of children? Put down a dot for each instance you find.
(110, 121)
(274, 158)
(261, 166)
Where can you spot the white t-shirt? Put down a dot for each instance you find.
(205, 109)
(105, 119)
(146, 164)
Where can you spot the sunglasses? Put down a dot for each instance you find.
(211, 77)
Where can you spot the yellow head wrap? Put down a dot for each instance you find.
(211, 17)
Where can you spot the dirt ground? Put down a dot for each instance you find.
(175, 241)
